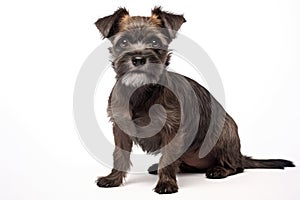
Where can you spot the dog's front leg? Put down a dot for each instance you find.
(121, 156)
(167, 183)
(167, 168)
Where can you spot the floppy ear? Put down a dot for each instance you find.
(170, 21)
(109, 25)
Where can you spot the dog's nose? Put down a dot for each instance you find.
(138, 61)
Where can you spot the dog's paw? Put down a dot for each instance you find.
(216, 173)
(153, 169)
(166, 187)
(108, 182)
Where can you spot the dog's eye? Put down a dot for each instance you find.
(123, 43)
(155, 43)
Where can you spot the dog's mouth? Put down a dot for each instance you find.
(138, 71)
(137, 77)
(137, 68)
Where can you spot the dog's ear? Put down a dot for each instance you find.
(109, 25)
(170, 21)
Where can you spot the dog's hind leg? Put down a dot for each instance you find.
(153, 169)
(218, 172)
(227, 155)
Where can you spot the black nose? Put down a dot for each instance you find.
(138, 61)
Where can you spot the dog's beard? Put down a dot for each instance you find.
(136, 79)
(149, 74)
(137, 76)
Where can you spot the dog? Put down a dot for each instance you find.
(140, 57)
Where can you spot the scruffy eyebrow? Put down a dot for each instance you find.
(130, 35)
(157, 35)
(123, 35)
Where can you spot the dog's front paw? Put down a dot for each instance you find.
(166, 187)
(108, 182)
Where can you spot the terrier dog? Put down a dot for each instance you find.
(140, 56)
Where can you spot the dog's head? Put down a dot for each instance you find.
(140, 44)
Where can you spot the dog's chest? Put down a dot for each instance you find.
(150, 145)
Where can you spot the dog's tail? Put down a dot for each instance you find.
(250, 163)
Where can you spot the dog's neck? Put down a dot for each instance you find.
(139, 97)
(146, 95)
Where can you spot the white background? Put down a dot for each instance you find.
(255, 46)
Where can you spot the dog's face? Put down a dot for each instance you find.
(140, 44)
